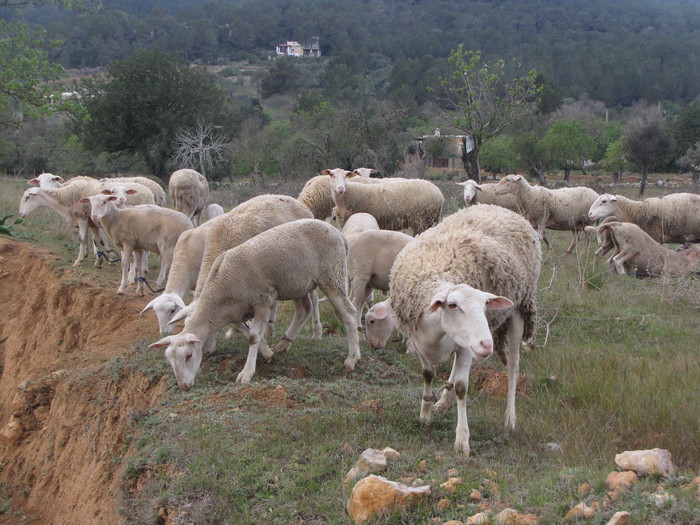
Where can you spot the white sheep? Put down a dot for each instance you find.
(371, 255)
(380, 323)
(472, 275)
(316, 195)
(286, 262)
(189, 193)
(212, 211)
(46, 180)
(411, 204)
(158, 192)
(559, 209)
(365, 172)
(150, 228)
(636, 252)
(358, 223)
(475, 193)
(673, 218)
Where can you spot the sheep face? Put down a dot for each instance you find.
(120, 192)
(165, 306)
(508, 184)
(339, 179)
(462, 316)
(364, 172)
(184, 353)
(100, 205)
(470, 189)
(379, 324)
(31, 200)
(47, 180)
(604, 206)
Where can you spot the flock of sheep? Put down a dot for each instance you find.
(462, 286)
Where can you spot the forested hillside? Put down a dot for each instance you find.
(616, 52)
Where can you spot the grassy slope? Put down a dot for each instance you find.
(615, 368)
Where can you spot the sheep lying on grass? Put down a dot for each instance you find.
(189, 193)
(636, 252)
(150, 228)
(473, 274)
(412, 204)
(560, 209)
(673, 218)
(286, 262)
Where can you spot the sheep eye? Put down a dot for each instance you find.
(371, 321)
(172, 311)
(188, 357)
(452, 305)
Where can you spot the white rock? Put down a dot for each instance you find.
(647, 462)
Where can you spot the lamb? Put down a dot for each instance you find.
(636, 251)
(283, 263)
(189, 193)
(560, 209)
(150, 228)
(182, 278)
(412, 204)
(371, 255)
(472, 275)
(157, 190)
(673, 218)
(475, 193)
(46, 180)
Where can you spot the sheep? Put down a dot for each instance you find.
(358, 223)
(189, 193)
(472, 275)
(365, 172)
(212, 211)
(283, 263)
(673, 218)
(475, 193)
(380, 323)
(370, 257)
(182, 278)
(46, 180)
(157, 190)
(559, 209)
(412, 204)
(150, 228)
(636, 250)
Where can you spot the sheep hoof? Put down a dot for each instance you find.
(462, 447)
(120, 292)
(281, 346)
(230, 333)
(266, 353)
(243, 378)
(349, 364)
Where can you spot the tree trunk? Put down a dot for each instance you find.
(567, 172)
(538, 171)
(643, 183)
(470, 161)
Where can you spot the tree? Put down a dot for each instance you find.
(691, 161)
(566, 144)
(498, 155)
(486, 102)
(142, 104)
(204, 146)
(647, 141)
(25, 73)
(615, 159)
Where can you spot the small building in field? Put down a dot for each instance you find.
(442, 151)
(292, 48)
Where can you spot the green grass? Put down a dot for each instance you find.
(614, 367)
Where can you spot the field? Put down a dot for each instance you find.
(614, 367)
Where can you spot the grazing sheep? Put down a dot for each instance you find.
(158, 192)
(380, 323)
(673, 218)
(212, 211)
(182, 278)
(412, 204)
(475, 193)
(472, 275)
(150, 228)
(358, 223)
(371, 255)
(560, 209)
(189, 193)
(46, 180)
(637, 252)
(286, 262)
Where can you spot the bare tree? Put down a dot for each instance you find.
(203, 146)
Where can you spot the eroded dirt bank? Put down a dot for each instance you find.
(66, 405)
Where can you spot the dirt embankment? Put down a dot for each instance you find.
(66, 409)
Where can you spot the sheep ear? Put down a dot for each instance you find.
(182, 314)
(105, 192)
(477, 187)
(112, 198)
(380, 311)
(191, 338)
(148, 307)
(438, 301)
(497, 302)
(326, 172)
(461, 183)
(33, 182)
(162, 343)
(57, 178)
(131, 191)
(84, 200)
(613, 199)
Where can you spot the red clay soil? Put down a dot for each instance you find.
(63, 421)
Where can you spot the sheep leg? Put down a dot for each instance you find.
(164, 267)
(302, 310)
(447, 398)
(82, 236)
(574, 242)
(137, 256)
(255, 334)
(426, 405)
(345, 311)
(317, 330)
(126, 257)
(360, 290)
(620, 259)
(514, 334)
(463, 363)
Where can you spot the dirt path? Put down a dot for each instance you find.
(65, 407)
